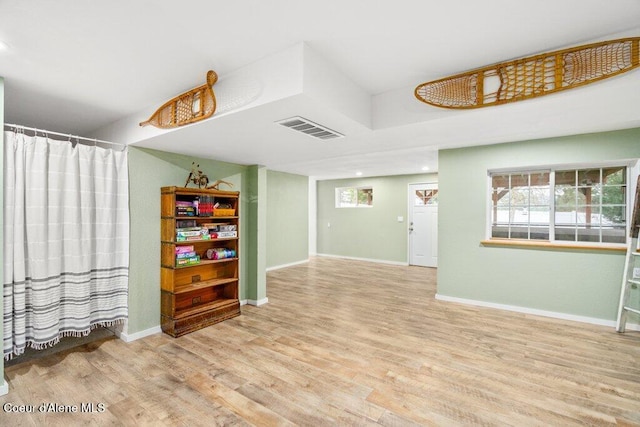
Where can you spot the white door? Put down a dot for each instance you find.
(423, 225)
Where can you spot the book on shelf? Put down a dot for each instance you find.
(193, 238)
(180, 262)
(213, 227)
(205, 205)
(223, 234)
(186, 223)
(196, 234)
(184, 249)
(194, 228)
(185, 211)
(189, 233)
(186, 255)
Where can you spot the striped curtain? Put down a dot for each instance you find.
(66, 240)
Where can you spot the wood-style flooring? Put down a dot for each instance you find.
(345, 343)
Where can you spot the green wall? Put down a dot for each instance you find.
(148, 171)
(255, 255)
(371, 233)
(576, 282)
(287, 218)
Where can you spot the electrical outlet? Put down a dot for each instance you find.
(636, 272)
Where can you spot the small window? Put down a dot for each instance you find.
(426, 198)
(575, 205)
(354, 197)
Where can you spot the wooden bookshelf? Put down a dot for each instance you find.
(197, 295)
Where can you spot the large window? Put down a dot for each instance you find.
(575, 205)
(353, 197)
(521, 205)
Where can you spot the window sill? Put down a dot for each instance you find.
(545, 244)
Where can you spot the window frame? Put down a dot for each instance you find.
(631, 165)
(529, 173)
(357, 190)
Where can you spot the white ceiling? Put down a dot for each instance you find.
(98, 68)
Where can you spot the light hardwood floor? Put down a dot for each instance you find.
(346, 343)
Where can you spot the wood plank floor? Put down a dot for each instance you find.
(346, 343)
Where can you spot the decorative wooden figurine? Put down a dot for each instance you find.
(532, 76)
(192, 106)
(216, 185)
(197, 177)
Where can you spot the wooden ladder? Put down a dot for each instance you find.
(631, 264)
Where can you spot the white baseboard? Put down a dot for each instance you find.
(291, 264)
(257, 303)
(127, 337)
(4, 387)
(377, 261)
(534, 311)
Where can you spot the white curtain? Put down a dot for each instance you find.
(66, 240)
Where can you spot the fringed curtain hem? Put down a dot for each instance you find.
(18, 351)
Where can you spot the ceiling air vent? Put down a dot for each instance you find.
(310, 128)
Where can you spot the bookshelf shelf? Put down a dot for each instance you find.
(190, 242)
(207, 284)
(208, 261)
